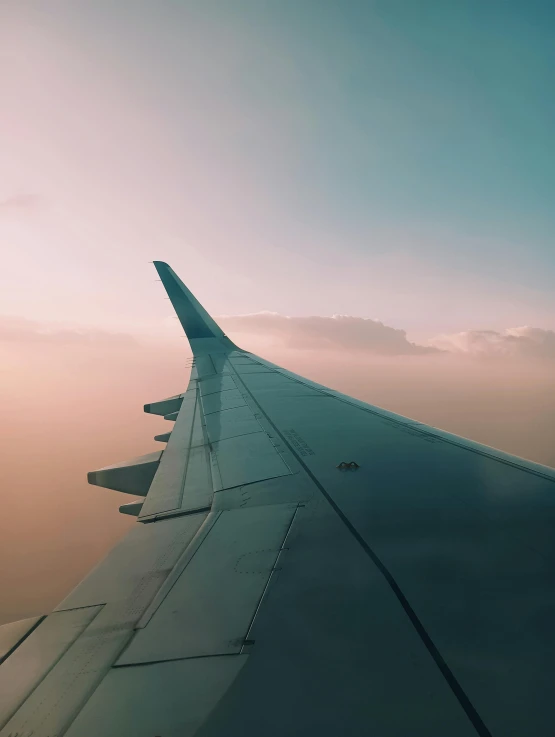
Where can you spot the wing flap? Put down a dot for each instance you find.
(58, 698)
(218, 401)
(28, 665)
(245, 459)
(232, 422)
(138, 564)
(12, 634)
(209, 608)
(172, 699)
(183, 481)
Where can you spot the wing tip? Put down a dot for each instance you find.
(196, 321)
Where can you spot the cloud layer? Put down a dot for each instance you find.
(327, 333)
(337, 333)
(345, 332)
(20, 202)
(523, 342)
(22, 330)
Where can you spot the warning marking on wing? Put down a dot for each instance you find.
(298, 443)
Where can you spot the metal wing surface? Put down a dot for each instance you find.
(303, 564)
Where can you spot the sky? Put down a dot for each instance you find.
(361, 191)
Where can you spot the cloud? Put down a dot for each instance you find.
(327, 333)
(345, 332)
(20, 202)
(523, 342)
(361, 335)
(21, 330)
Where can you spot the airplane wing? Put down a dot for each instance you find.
(303, 564)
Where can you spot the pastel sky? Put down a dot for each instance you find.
(360, 191)
(386, 158)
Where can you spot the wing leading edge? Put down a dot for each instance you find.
(267, 589)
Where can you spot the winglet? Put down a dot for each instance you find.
(196, 322)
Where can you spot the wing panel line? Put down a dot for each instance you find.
(268, 582)
(22, 639)
(446, 672)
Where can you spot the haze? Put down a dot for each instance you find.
(361, 191)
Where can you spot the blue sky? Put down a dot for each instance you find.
(427, 114)
(385, 159)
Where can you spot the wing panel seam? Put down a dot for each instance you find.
(22, 639)
(446, 672)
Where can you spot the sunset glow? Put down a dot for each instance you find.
(364, 197)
